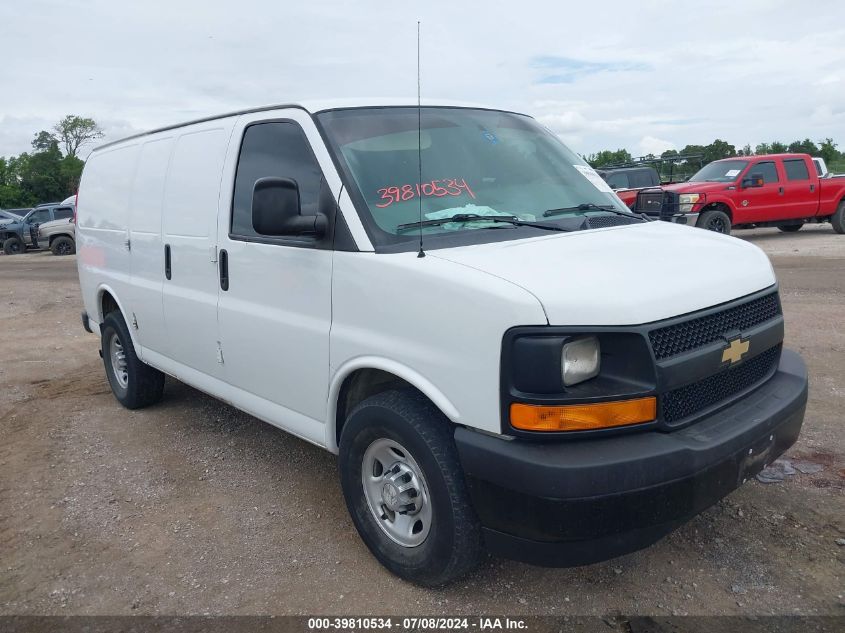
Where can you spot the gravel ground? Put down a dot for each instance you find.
(192, 507)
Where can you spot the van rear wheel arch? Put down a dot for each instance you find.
(107, 304)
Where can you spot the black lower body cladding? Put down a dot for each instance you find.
(578, 502)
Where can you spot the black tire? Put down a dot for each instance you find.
(453, 544)
(143, 385)
(715, 220)
(14, 246)
(63, 246)
(791, 228)
(838, 219)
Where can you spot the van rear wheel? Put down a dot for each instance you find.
(405, 490)
(133, 383)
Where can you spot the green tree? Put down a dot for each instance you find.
(692, 149)
(804, 147)
(74, 131)
(45, 175)
(828, 151)
(41, 177)
(70, 171)
(775, 147)
(718, 149)
(44, 141)
(608, 157)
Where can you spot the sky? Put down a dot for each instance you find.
(643, 75)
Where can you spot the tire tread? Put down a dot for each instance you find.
(146, 384)
(436, 431)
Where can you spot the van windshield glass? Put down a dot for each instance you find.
(720, 171)
(473, 162)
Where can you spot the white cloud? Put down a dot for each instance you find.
(564, 122)
(139, 65)
(654, 145)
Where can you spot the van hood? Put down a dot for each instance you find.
(625, 275)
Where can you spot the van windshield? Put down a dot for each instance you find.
(473, 162)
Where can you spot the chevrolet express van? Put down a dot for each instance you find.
(501, 354)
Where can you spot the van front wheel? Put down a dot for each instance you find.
(133, 383)
(405, 489)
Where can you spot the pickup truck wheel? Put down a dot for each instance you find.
(715, 220)
(13, 246)
(133, 383)
(790, 228)
(838, 219)
(405, 490)
(63, 246)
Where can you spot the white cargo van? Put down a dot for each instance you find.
(502, 355)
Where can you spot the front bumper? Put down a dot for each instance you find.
(688, 219)
(582, 501)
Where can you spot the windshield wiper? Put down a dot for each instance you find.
(589, 206)
(474, 217)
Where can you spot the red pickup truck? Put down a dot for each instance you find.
(782, 190)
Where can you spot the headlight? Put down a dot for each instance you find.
(579, 360)
(688, 200)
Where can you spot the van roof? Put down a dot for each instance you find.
(313, 107)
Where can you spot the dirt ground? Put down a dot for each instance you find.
(192, 507)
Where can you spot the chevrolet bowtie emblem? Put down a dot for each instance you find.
(733, 353)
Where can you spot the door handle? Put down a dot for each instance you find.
(223, 266)
(812, 187)
(780, 191)
(167, 271)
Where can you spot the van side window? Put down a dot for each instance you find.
(796, 169)
(277, 149)
(767, 169)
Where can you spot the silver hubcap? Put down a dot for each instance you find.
(118, 361)
(396, 492)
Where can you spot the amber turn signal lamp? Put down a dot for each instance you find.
(583, 417)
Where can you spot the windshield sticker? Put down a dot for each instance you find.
(590, 174)
(433, 188)
(731, 173)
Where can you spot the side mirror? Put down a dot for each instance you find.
(753, 180)
(276, 210)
